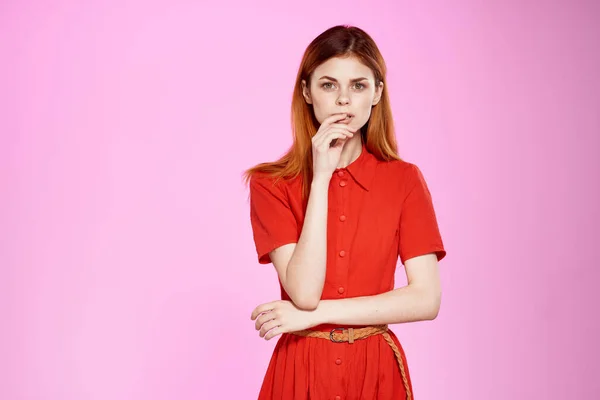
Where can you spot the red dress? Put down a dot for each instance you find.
(378, 211)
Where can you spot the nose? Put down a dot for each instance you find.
(343, 100)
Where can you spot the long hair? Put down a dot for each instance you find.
(378, 133)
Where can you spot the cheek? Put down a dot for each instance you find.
(363, 107)
(363, 102)
(320, 107)
(363, 118)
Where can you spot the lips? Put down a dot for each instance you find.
(348, 118)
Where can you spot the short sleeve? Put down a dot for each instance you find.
(419, 233)
(273, 222)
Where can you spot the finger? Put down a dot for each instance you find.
(261, 309)
(267, 326)
(267, 316)
(328, 121)
(333, 128)
(274, 332)
(329, 141)
(337, 143)
(334, 118)
(324, 144)
(344, 126)
(326, 137)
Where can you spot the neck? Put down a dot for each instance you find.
(351, 151)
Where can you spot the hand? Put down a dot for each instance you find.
(327, 144)
(282, 316)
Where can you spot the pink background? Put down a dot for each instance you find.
(128, 269)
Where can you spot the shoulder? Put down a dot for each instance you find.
(264, 182)
(401, 171)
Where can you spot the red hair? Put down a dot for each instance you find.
(378, 133)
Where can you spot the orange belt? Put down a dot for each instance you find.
(341, 335)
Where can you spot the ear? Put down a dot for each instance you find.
(306, 92)
(378, 94)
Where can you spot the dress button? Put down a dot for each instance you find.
(341, 290)
(342, 253)
(340, 173)
(338, 361)
(342, 218)
(338, 398)
(342, 183)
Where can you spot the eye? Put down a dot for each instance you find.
(327, 85)
(359, 86)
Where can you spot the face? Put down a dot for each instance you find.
(343, 85)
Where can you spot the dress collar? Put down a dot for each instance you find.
(363, 168)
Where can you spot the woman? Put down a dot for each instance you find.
(333, 215)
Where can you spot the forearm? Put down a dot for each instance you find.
(406, 304)
(306, 269)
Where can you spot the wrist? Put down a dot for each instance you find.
(321, 180)
(320, 314)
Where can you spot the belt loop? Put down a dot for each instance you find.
(350, 335)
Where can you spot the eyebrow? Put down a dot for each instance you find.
(335, 80)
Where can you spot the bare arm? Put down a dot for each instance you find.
(301, 267)
(419, 300)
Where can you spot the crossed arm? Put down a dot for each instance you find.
(301, 269)
(417, 301)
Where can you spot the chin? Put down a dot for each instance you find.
(360, 125)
